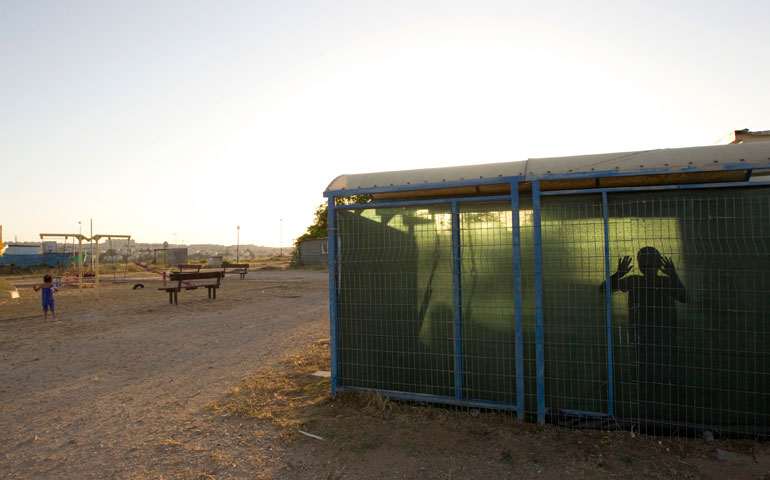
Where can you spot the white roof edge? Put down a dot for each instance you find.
(427, 175)
(675, 160)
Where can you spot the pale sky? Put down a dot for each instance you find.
(158, 118)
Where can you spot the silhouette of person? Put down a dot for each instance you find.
(652, 312)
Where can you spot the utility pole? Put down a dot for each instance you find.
(80, 232)
(238, 246)
(282, 237)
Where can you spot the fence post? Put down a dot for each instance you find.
(457, 300)
(608, 307)
(517, 315)
(539, 336)
(331, 237)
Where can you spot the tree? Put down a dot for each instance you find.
(320, 226)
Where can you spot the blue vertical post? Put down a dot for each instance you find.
(517, 315)
(539, 335)
(457, 300)
(332, 240)
(608, 307)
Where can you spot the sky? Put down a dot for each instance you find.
(180, 120)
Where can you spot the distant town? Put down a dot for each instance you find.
(117, 250)
(206, 250)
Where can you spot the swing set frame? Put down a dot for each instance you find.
(80, 238)
(94, 258)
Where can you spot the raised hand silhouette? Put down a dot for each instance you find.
(624, 265)
(652, 318)
(667, 267)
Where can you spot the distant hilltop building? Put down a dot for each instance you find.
(744, 136)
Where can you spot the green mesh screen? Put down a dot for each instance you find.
(694, 354)
(704, 360)
(395, 300)
(574, 319)
(488, 348)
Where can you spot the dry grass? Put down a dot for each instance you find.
(367, 433)
(280, 394)
(273, 267)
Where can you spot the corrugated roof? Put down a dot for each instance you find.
(680, 160)
(427, 175)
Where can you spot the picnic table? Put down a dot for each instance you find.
(189, 266)
(240, 268)
(184, 281)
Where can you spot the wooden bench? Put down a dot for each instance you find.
(240, 268)
(183, 281)
(189, 266)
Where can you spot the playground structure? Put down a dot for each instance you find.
(87, 276)
(80, 238)
(95, 258)
(6, 289)
(80, 259)
(69, 275)
(74, 271)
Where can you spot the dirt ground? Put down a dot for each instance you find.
(119, 387)
(129, 386)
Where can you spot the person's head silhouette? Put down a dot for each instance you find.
(649, 260)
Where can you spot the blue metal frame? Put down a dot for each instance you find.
(459, 398)
(653, 188)
(517, 308)
(333, 268)
(608, 307)
(513, 197)
(422, 397)
(579, 413)
(457, 302)
(539, 334)
(415, 203)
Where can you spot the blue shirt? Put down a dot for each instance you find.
(48, 295)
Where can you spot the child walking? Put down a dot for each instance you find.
(47, 296)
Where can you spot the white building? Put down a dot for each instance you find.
(17, 249)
